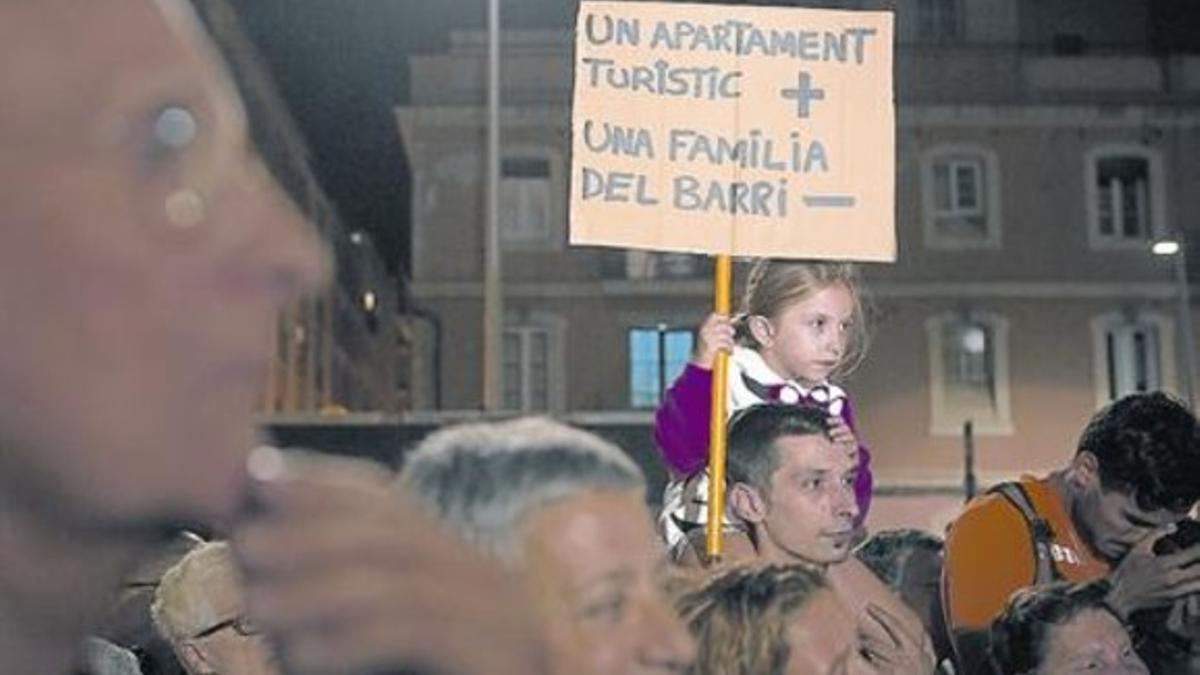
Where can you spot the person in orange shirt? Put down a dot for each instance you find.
(1134, 474)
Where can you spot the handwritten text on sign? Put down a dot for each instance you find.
(741, 130)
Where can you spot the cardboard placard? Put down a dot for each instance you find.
(739, 130)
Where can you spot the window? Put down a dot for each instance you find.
(525, 199)
(961, 196)
(654, 265)
(656, 357)
(969, 373)
(526, 368)
(1125, 196)
(938, 20)
(971, 358)
(958, 195)
(1122, 203)
(1132, 353)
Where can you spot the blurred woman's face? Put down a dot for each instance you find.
(144, 256)
(1091, 642)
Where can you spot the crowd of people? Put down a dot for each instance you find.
(560, 514)
(145, 252)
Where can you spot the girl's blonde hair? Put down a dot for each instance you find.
(774, 285)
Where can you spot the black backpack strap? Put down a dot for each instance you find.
(1039, 530)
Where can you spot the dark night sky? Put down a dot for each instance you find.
(342, 67)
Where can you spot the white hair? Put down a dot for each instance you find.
(182, 602)
(482, 479)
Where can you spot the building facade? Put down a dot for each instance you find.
(342, 349)
(1042, 147)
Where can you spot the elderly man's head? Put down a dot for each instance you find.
(128, 622)
(198, 608)
(567, 508)
(792, 484)
(144, 251)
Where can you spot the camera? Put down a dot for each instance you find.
(1185, 536)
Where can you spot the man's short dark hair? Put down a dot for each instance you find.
(1147, 446)
(752, 456)
(1019, 635)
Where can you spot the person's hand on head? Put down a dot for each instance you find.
(885, 623)
(890, 646)
(841, 433)
(715, 335)
(1144, 580)
(346, 575)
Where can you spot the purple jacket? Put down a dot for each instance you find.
(681, 431)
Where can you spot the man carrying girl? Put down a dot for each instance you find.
(801, 327)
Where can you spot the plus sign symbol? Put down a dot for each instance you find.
(803, 93)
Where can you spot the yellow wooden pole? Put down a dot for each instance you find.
(716, 427)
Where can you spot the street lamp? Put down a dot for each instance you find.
(1175, 247)
(1165, 247)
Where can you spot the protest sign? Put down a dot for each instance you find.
(736, 130)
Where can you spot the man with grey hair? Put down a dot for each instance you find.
(567, 509)
(198, 609)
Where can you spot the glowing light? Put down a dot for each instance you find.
(1165, 247)
(974, 340)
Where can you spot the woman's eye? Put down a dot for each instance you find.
(609, 610)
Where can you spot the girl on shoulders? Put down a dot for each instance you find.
(802, 327)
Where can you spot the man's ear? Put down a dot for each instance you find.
(747, 503)
(761, 329)
(192, 658)
(1085, 471)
